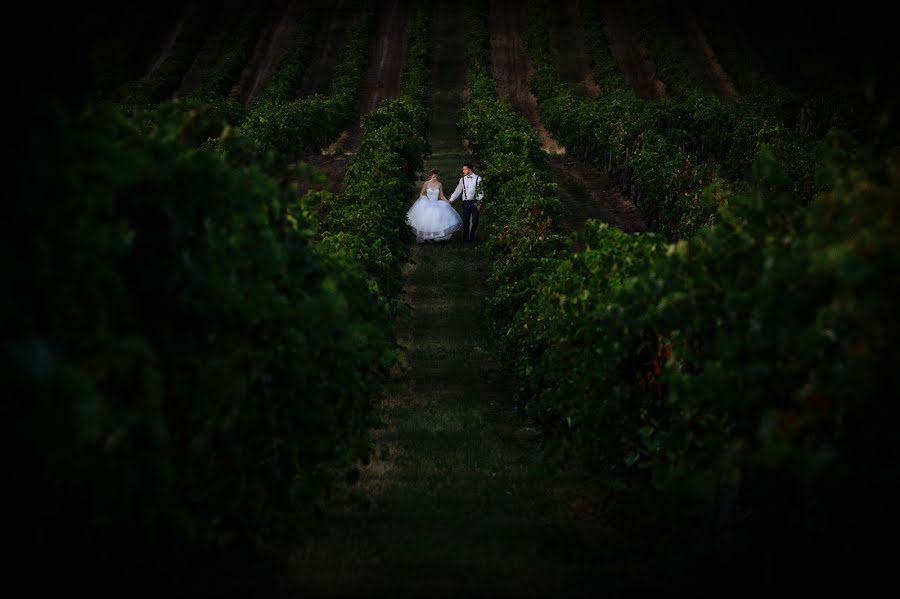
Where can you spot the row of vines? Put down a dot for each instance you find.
(199, 345)
(728, 373)
(664, 153)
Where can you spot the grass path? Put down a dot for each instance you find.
(455, 499)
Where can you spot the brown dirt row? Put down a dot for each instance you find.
(274, 43)
(714, 73)
(326, 50)
(510, 67)
(205, 58)
(569, 49)
(168, 43)
(387, 58)
(632, 57)
(587, 193)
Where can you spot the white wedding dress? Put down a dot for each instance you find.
(432, 218)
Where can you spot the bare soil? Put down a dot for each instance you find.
(205, 58)
(326, 50)
(510, 67)
(713, 72)
(632, 57)
(586, 193)
(387, 57)
(566, 32)
(274, 43)
(166, 49)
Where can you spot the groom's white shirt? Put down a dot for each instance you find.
(470, 181)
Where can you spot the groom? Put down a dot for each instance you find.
(469, 187)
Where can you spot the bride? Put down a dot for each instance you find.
(431, 216)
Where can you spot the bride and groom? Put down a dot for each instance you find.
(432, 218)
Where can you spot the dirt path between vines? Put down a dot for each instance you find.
(327, 49)
(584, 191)
(206, 56)
(275, 41)
(714, 74)
(384, 74)
(510, 67)
(166, 49)
(455, 502)
(566, 33)
(632, 57)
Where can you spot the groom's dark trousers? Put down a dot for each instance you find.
(470, 213)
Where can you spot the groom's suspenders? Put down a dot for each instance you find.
(465, 197)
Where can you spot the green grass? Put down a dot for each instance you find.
(461, 500)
